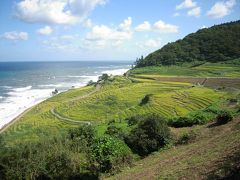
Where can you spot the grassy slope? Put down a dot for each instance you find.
(204, 70)
(117, 99)
(215, 151)
(117, 102)
(39, 122)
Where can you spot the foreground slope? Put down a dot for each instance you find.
(214, 154)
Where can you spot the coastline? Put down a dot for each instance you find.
(25, 111)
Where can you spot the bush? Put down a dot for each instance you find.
(224, 117)
(115, 132)
(151, 134)
(43, 160)
(110, 153)
(192, 119)
(134, 120)
(145, 100)
(212, 109)
(84, 132)
(180, 122)
(199, 118)
(187, 137)
(103, 77)
(91, 83)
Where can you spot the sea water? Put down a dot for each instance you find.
(24, 84)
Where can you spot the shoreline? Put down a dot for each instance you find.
(20, 115)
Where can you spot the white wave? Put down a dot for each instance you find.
(115, 72)
(7, 87)
(19, 101)
(50, 85)
(23, 89)
(1, 97)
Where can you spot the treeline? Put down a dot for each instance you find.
(218, 43)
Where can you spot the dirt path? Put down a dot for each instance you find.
(57, 115)
(68, 119)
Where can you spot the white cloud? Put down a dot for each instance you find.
(88, 23)
(102, 35)
(194, 12)
(186, 4)
(176, 14)
(221, 9)
(125, 26)
(103, 32)
(145, 26)
(163, 27)
(47, 30)
(14, 35)
(56, 11)
(152, 43)
(203, 27)
(64, 42)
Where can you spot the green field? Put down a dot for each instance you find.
(113, 101)
(118, 99)
(201, 70)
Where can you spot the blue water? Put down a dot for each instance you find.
(23, 84)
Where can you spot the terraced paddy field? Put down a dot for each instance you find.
(173, 91)
(117, 99)
(213, 82)
(193, 70)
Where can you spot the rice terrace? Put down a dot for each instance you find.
(173, 114)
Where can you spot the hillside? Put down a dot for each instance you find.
(89, 133)
(214, 44)
(213, 154)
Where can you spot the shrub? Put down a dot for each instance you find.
(187, 137)
(115, 132)
(181, 122)
(151, 134)
(212, 109)
(199, 118)
(192, 119)
(84, 132)
(134, 120)
(103, 77)
(224, 117)
(110, 153)
(145, 100)
(43, 160)
(91, 82)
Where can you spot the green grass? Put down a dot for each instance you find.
(210, 155)
(118, 99)
(39, 122)
(168, 99)
(204, 70)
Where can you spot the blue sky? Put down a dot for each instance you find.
(69, 30)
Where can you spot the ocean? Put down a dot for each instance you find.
(24, 84)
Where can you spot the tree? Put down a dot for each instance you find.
(218, 43)
(151, 134)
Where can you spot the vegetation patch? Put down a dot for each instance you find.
(151, 134)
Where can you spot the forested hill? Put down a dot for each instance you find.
(218, 43)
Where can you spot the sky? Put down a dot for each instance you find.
(106, 30)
